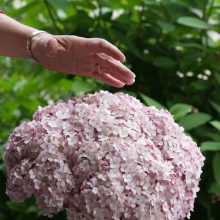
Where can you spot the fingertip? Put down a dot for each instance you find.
(122, 85)
(132, 74)
(121, 57)
(119, 85)
(131, 82)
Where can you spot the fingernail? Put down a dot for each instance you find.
(131, 82)
(123, 57)
(133, 75)
(122, 85)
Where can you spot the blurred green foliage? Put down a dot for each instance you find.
(172, 46)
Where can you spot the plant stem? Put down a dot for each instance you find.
(208, 94)
(51, 16)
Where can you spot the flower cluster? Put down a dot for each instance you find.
(104, 156)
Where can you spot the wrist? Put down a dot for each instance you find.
(30, 38)
(21, 37)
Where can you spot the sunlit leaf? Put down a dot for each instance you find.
(180, 110)
(216, 124)
(194, 120)
(210, 146)
(193, 22)
(166, 27)
(151, 102)
(150, 2)
(216, 106)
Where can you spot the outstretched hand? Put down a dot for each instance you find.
(82, 56)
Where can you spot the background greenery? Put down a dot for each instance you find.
(173, 47)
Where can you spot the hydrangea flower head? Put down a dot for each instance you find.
(104, 156)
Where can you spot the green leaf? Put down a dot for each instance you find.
(193, 22)
(3, 168)
(17, 207)
(216, 124)
(60, 4)
(151, 102)
(217, 77)
(194, 120)
(210, 146)
(82, 86)
(32, 209)
(22, 10)
(166, 27)
(20, 84)
(1, 151)
(216, 106)
(214, 188)
(189, 45)
(164, 62)
(180, 110)
(216, 168)
(129, 44)
(150, 2)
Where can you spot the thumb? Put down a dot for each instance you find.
(51, 45)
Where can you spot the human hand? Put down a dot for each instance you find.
(82, 56)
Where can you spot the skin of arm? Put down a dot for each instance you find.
(13, 37)
(66, 53)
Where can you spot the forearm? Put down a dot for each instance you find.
(13, 37)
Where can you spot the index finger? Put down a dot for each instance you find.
(97, 45)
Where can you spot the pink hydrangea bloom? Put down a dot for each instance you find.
(104, 156)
